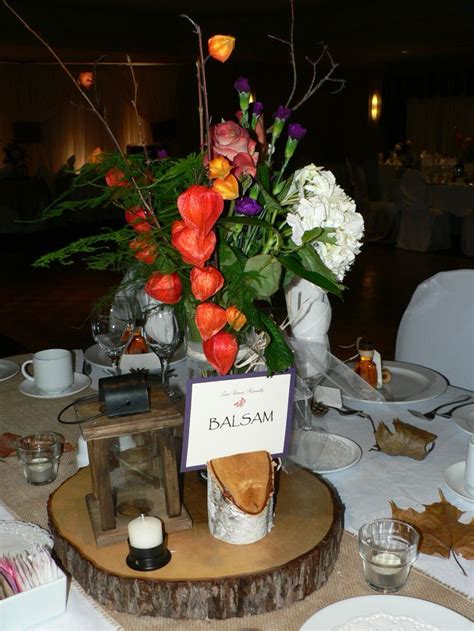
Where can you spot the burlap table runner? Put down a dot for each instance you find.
(29, 503)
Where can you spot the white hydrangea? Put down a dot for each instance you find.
(316, 201)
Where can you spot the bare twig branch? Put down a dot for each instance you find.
(292, 53)
(93, 107)
(135, 109)
(313, 86)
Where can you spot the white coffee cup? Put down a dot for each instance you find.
(52, 370)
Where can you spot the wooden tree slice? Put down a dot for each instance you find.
(207, 578)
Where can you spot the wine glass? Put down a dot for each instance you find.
(163, 336)
(112, 328)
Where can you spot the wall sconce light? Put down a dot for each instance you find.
(375, 106)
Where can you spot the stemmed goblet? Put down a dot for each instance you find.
(112, 328)
(163, 336)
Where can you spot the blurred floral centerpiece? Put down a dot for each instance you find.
(217, 232)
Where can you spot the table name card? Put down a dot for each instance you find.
(236, 414)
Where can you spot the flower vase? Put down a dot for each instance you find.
(309, 315)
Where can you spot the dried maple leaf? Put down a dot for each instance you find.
(405, 440)
(440, 530)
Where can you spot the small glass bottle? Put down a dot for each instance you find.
(365, 366)
(138, 344)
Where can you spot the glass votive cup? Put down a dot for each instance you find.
(39, 455)
(388, 548)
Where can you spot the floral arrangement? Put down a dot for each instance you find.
(219, 231)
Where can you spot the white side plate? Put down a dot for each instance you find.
(8, 369)
(454, 478)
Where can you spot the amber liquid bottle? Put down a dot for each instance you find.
(364, 366)
(138, 344)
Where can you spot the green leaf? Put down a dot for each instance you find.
(314, 277)
(269, 272)
(253, 221)
(323, 235)
(312, 262)
(278, 355)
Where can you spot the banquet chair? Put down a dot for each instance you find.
(422, 228)
(380, 217)
(389, 183)
(437, 327)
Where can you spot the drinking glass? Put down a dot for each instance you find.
(112, 326)
(388, 548)
(163, 336)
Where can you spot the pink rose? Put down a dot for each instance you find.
(245, 164)
(228, 139)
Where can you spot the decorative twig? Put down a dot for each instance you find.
(135, 109)
(93, 107)
(313, 86)
(202, 87)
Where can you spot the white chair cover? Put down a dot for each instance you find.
(381, 218)
(389, 183)
(437, 328)
(421, 228)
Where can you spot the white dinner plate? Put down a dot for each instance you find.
(326, 453)
(454, 478)
(386, 612)
(410, 384)
(8, 369)
(80, 383)
(464, 418)
(16, 536)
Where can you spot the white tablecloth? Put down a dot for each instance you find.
(457, 199)
(367, 488)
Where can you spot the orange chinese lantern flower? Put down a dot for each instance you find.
(219, 168)
(145, 250)
(210, 319)
(205, 282)
(200, 208)
(85, 79)
(228, 187)
(137, 217)
(164, 287)
(96, 156)
(115, 177)
(221, 351)
(221, 46)
(194, 249)
(235, 318)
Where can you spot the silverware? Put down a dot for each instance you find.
(319, 409)
(449, 413)
(429, 416)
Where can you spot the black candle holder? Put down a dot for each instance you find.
(148, 559)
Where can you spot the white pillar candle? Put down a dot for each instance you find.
(145, 532)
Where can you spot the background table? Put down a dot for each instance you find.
(364, 488)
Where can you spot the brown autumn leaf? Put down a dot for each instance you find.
(440, 530)
(8, 444)
(405, 440)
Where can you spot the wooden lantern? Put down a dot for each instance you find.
(134, 468)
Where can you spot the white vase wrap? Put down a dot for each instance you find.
(309, 311)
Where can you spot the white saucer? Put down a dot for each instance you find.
(454, 478)
(464, 418)
(80, 383)
(8, 369)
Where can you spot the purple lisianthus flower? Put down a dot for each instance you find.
(242, 85)
(162, 154)
(296, 131)
(257, 108)
(283, 113)
(247, 206)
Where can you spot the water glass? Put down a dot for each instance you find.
(39, 455)
(388, 548)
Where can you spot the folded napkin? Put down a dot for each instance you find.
(309, 311)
